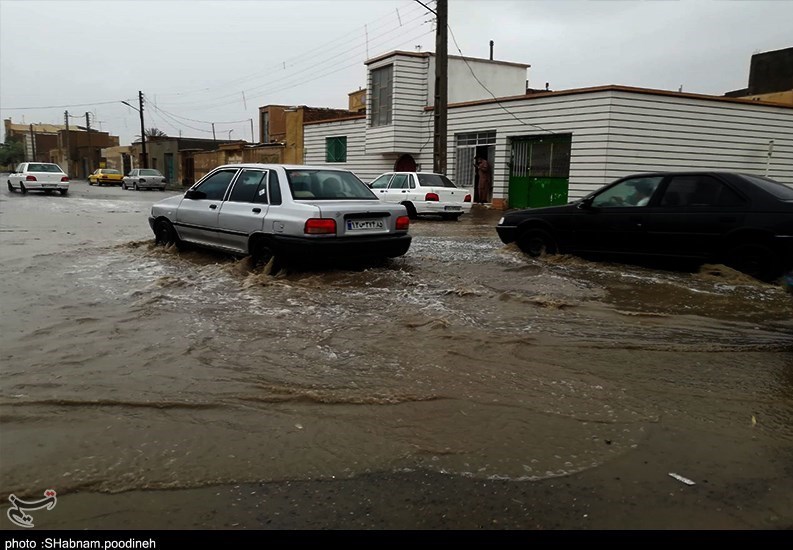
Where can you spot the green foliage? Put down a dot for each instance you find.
(11, 153)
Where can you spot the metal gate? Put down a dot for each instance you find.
(539, 171)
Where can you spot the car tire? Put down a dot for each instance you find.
(124, 186)
(262, 255)
(63, 192)
(11, 188)
(134, 186)
(452, 217)
(165, 234)
(537, 243)
(90, 182)
(412, 214)
(755, 259)
(22, 188)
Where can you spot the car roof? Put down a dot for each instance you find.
(284, 166)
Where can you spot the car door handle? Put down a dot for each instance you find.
(213, 206)
(404, 191)
(257, 210)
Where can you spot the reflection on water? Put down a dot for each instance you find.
(160, 368)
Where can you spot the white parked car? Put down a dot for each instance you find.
(38, 176)
(285, 211)
(144, 178)
(423, 193)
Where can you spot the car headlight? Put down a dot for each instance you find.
(501, 221)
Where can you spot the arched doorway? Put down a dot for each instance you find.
(405, 163)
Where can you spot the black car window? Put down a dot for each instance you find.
(632, 192)
(275, 187)
(435, 180)
(696, 190)
(246, 187)
(779, 190)
(400, 181)
(381, 182)
(214, 187)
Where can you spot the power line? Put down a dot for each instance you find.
(61, 106)
(211, 102)
(488, 90)
(346, 39)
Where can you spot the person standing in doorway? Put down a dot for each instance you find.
(483, 171)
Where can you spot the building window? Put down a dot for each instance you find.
(382, 83)
(336, 149)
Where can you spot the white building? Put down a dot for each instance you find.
(572, 139)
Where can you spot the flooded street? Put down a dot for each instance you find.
(130, 369)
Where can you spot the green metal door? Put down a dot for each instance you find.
(539, 171)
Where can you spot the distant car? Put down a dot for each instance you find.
(38, 176)
(423, 193)
(106, 176)
(144, 178)
(743, 221)
(283, 211)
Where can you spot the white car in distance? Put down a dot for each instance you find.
(38, 176)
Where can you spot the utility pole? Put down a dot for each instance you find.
(253, 138)
(90, 152)
(33, 143)
(142, 130)
(213, 132)
(68, 146)
(441, 87)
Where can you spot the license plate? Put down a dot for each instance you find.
(363, 225)
(48, 185)
(453, 208)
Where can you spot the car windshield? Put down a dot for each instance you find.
(435, 180)
(779, 190)
(44, 168)
(110, 172)
(327, 185)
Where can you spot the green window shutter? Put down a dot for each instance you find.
(336, 149)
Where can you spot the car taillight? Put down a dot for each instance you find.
(402, 223)
(431, 197)
(30, 178)
(64, 179)
(467, 198)
(320, 226)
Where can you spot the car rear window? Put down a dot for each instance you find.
(36, 167)
(145, 172)
(110, 172)
(779, 190)
(434, 180)
(327, 185)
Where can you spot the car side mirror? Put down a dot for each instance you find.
(195, 195)
(585, 203)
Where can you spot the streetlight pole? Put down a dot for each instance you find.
(145, 158)
(230, 133)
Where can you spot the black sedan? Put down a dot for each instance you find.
(740, 220)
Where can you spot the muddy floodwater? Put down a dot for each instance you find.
(129, 369)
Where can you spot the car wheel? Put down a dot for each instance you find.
(124, 186)
(165, 234)
(537, 243)
(135, 186)
(63, 192)
(453, 217)
(755, 259)
(262, 255)
(412, 214)
(10, 187)
(90, 182)
(22, 188)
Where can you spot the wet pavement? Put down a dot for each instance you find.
(463, 385)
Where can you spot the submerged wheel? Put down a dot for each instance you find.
(124, 186)
(164, 233)
(63, 192)
(10, 187)
(537, 243)
(134, 186)
(453, 217)
(755, 259)
(412, 214)
(22, 188)
(262, 255)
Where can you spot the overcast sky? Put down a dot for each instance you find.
(199, 62)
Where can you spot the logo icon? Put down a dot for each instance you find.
(18, 508)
